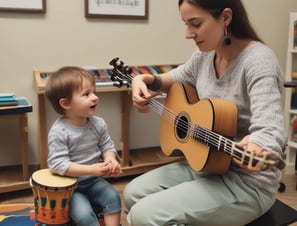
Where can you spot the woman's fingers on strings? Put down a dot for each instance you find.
(255, 161)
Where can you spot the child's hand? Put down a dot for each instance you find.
(114, 165)
(101, 168)
(110, 167)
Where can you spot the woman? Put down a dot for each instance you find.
(230, 63)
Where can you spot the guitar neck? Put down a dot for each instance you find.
(221, 143)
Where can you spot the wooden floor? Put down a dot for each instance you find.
(289, 196)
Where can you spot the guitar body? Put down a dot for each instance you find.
(217, 115)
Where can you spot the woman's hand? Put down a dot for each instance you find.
(253, 150)
(141, 94)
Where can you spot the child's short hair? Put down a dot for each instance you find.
(64, 82)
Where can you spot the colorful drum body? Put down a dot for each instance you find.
(51, 196)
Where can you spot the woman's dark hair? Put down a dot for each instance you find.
(240, 26)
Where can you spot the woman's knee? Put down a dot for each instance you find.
(138, 216)
(128, 196)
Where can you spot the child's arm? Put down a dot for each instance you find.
(97, 169)
(110, 167)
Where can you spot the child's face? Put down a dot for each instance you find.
(84, 101)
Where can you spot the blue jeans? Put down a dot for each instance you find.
(92, 192)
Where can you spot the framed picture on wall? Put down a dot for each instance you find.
(30, 6)
(125, 9)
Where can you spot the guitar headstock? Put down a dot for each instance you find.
(120, 74)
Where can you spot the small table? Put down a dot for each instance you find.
(19, 112)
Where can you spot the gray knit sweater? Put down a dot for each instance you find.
(84, 145)
(254, 84)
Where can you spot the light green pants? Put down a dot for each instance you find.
(175, 195)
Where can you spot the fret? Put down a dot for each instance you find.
(212, 139)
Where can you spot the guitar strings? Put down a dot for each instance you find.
(205, 135)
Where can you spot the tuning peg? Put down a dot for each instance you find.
(113, 62)
(121, 65)
(117, 84)
(126, 83)
(127, 70)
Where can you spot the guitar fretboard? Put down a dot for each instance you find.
(221, 143)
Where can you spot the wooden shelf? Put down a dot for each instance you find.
(292, 50)
(141, 160)
(144, 159)
(292, 144)
(12, 179)
(290, 111)
(18, 112)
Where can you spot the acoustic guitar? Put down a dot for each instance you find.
(201, 130)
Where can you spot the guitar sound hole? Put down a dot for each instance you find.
(181, 127)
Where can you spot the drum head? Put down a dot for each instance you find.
(46, 178)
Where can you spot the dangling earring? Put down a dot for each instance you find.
(227, 39)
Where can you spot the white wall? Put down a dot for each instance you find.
(271, 20)
(63, 36)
